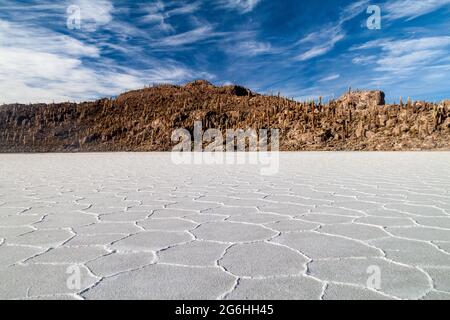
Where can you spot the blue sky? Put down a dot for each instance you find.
(303, 49)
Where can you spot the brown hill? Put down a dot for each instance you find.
(143, 120)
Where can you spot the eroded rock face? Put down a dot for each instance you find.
(363, 99)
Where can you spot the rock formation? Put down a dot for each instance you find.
(143, 120)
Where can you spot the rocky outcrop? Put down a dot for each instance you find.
(143, 120)
(363, 99)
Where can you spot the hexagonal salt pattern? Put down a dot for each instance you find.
(137, 226)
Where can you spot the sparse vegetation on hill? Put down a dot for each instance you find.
(143, 120)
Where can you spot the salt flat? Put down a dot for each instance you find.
(138, 226)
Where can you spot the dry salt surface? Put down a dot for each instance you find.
(138, 226)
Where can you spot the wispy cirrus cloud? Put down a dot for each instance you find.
(296, 47)
(189, 37)
(405, 55)
(42, 65)
(364, 60)
(242, 6)
(411, 9)
(155, 14)
(330, 78)
(251, 48)
(19, 36)
(159, 13)
(94, 13)
(406, 65)
(323, 41)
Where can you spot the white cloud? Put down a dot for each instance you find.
(189, 37)
(353, 10)
(35, 76)
(185, 8)
(323, 41)
(416, 67)
(243, 6)
(158, 13)
(330, 78)
(39, 65)
(94, 13)
(408, 62)
(363, 60)
(402, 56)
(14, 35)
(400, 47)
(411, 9)
(251, 48)
(314, 52)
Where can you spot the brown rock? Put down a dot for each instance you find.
(390, 123)
(370, 134)
(363, 99)
(199, 84)
(236, 91)
(404, 127)
(447, 124)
